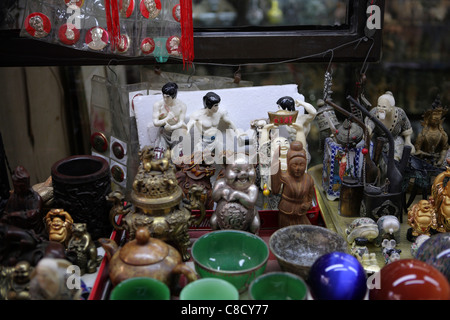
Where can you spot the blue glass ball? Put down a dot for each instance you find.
(337, 276)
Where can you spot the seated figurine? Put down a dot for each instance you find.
(395, 120)
(432, 142)
(82, 249)
(24, 206)
(440, 195)
(168, 115)
(236, 195)
(422, 218)
(207, 121)
(59, 225)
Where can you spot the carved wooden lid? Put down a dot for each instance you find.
(144, 250)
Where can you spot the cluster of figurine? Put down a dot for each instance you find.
(167, 198)
(163, 191)
(39, 243)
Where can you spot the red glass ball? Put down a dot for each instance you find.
(410, 279)
(365, 151)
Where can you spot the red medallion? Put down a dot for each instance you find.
(124, 43)
(126, 7)
(150, 9)
(38, 25)
(68, 34)
(147, 46)
(77, 3)
(176, 12)
(97, 38)
(173, 45)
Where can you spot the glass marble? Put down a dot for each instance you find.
(410, 279)
(436, 252)
(337, 276)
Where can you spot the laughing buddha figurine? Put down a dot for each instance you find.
(236, 194)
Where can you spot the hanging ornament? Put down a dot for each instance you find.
(150, 9)
(38, 25)
(187, 33)
(126, 8)
(68, 34)
(266, 191)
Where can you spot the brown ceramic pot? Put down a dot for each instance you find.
(145, 257)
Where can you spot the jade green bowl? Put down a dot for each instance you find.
(209, 289)
(278, 286)
(233, 255)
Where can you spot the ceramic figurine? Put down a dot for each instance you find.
(326, 118)
(145, 257)
(388, 228)
(168, 114)
(417, 243)
(395, 120)
(59, 225)
(362, 228)
(19, 288)
(390, 253)
(207, 121)
(297, 187)
(385, 197)
(49, 281)
(156, 203)
(192, 173)
(235, 195)
(422, 218)
(24, 206)
(367, 259)
(369, 263)
(432, 142)
(440, 195)
(83, 248)
(298, 125)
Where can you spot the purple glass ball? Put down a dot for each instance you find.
(337, 276)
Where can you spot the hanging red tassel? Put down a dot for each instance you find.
(108, 20)
(115, 22)
(112, 21)
(187, 33)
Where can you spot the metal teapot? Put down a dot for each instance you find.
(145, 257)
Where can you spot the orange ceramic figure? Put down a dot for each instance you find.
(298, 187)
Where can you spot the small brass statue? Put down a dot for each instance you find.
(432, 142)
(440, 194)
(422, 218)
(156, 203)
(83, 248)
(19, 288)
(236, 195)
(59, 225)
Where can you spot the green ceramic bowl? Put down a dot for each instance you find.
(278, 286)
(140, 288)
(209, 289)
(236, 256)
